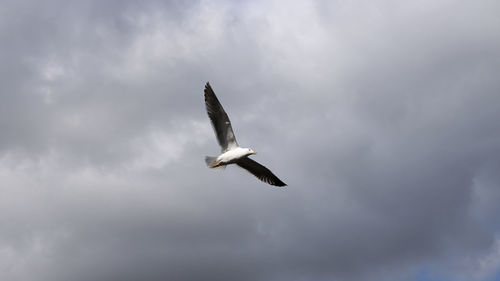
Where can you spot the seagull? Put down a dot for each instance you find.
(232, 153)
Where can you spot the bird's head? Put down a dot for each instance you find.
(250, 151)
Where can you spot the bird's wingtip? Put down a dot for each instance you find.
(208, 87)
(280, 184)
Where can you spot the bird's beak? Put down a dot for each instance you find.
(254, 152)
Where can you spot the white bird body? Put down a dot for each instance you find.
(232, 155)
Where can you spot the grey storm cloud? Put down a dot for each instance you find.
(382, 117)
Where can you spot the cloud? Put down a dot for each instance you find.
(381, 117)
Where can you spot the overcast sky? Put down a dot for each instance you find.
(381, 116)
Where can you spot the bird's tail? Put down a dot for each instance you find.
(211, 162)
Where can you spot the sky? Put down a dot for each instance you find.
(381, 116)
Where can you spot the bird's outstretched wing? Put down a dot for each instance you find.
(220, 120)
(261, 172)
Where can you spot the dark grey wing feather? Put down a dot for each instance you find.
(261, 172)
(220, 120)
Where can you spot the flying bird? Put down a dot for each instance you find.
(232, 153)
